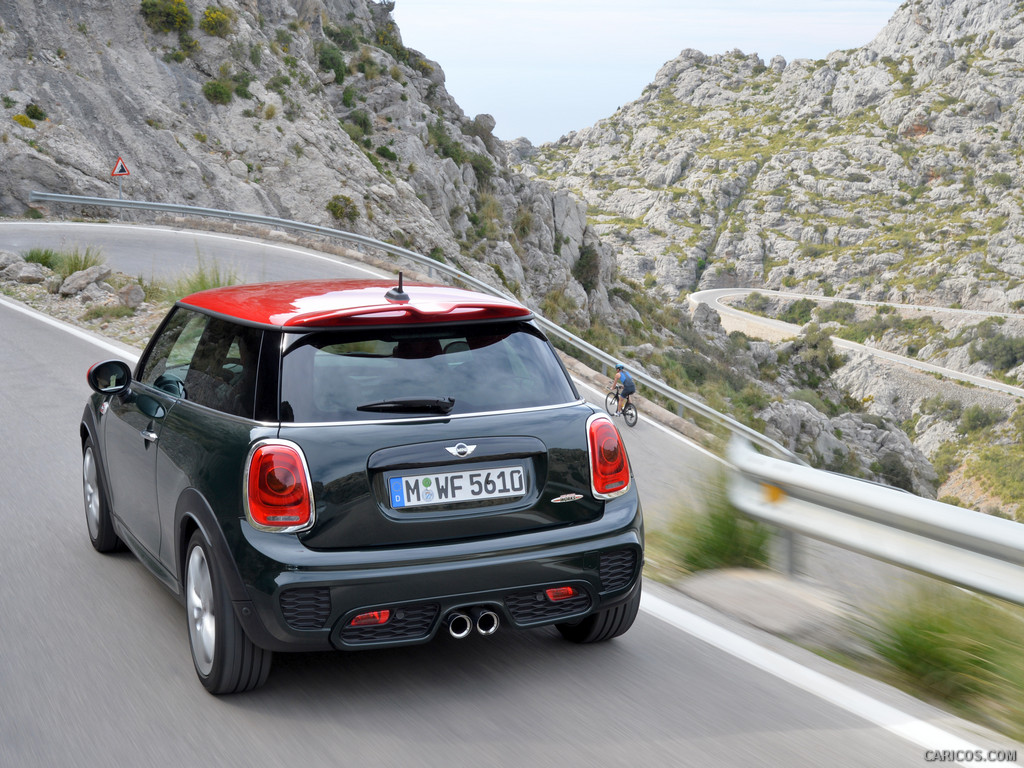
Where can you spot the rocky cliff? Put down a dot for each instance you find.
(890, 172)
(311, 110)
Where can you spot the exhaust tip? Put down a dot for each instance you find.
(459, 625)
(487, 622)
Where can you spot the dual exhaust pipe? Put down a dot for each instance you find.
(460, 624)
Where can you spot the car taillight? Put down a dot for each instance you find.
(277, 488)
(609, 468)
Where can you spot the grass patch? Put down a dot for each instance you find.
(107, 312)
(65, 263)
(204, 277)
(711, 533)
(955, 647)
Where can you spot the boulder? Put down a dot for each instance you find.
(78, 281)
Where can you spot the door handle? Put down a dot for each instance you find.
(148, 435)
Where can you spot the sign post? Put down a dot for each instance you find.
(120, 170)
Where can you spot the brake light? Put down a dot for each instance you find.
(609, 467)
(556, 594)
(371, 619)
(277, 483)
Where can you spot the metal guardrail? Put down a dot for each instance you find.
(683, 402)
(967, 548)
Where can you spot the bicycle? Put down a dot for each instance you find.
(611, 404)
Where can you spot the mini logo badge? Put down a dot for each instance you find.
(567, 497)
(461, 450)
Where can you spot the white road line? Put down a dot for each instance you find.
(220, 236)
(119, 350)
(843, 696)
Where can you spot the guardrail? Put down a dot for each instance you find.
(967, 548)
(683, 402)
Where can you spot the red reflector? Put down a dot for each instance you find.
(560, 593)
(278, 490)
(609, 468)
(370, 619)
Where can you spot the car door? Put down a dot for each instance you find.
(134, 425)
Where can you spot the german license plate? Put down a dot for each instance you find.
(455, 487)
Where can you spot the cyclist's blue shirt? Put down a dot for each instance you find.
(627, 382)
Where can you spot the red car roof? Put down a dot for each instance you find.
(329, 303)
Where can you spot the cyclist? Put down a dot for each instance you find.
(623, 379)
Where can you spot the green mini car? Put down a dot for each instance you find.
(354, 464)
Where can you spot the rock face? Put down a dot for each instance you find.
(891, 172)
(311, 110)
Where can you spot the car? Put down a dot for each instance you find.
(336, 464)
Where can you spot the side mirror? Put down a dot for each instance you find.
(111, 377)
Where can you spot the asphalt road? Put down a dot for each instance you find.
(95, 667)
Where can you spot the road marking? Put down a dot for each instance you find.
(843, 696)
(219, 236)
(92, 338)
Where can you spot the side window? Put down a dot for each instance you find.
(171, 354)
(222, 371)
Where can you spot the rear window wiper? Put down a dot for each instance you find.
(411, 405)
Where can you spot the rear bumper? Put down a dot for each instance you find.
(302, 600)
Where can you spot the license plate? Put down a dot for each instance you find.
(455, 487)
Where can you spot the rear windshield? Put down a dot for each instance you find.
(388, 373)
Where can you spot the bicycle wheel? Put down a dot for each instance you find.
(611, 402)
(629, 414)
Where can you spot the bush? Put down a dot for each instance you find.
(387, 153)
(217, 92)
(167, 15)
(977, 417)
(799, 312)
(587, 268)
(342, 208)
(24, 121)
(725, 538)
(33, 112)
(216, 21)
(331, 59)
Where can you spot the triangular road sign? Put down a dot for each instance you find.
(120, 169)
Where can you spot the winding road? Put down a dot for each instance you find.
(777, 330)
(95, 667)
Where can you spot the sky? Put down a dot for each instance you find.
(544, 68)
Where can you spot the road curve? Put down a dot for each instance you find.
(95, 668)
(777, 330)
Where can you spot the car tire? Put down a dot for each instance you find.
(97, 511)
(603, 625)
(226, 660)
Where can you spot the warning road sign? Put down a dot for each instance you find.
(120, 169)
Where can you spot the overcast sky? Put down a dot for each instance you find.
(543, 68)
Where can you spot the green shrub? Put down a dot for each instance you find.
(217, 21)
(342, 208)
(332, 60)
(587, 268)
(217, 92)
(362, 120)
(723, 537)
(387, 153)
(977, 417)
(799, 312)
(167, 15)
(278, 84)
(34, 112)
(958, 648)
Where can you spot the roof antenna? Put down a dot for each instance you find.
(397, 294)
